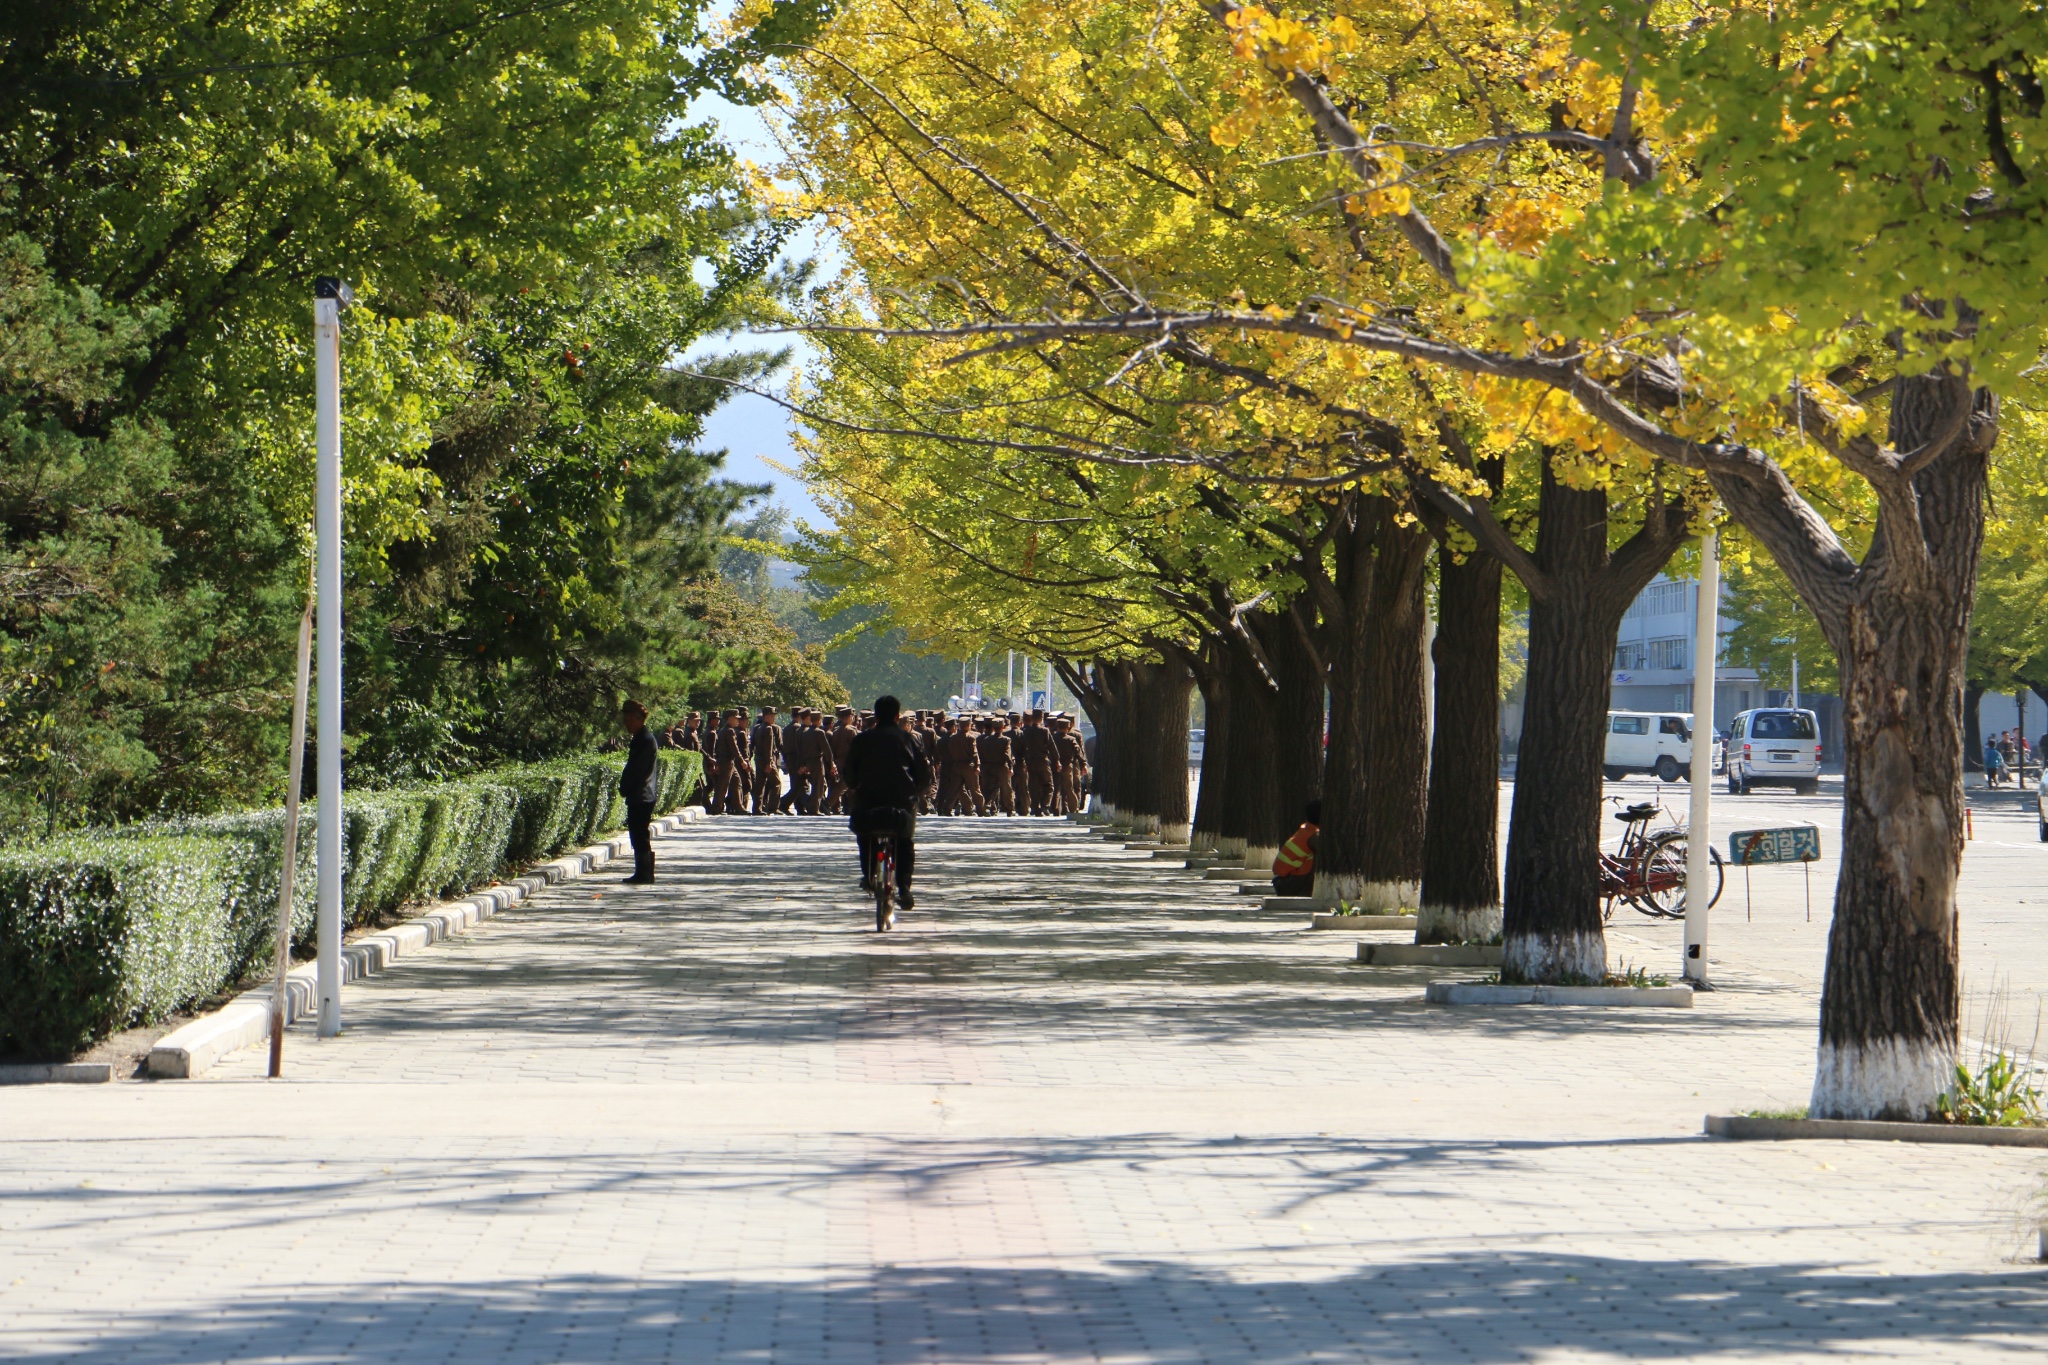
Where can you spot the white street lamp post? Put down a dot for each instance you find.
(329, 296)
(1699, 841)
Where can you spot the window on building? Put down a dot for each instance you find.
(1660, 599)
(1669, 653)
(1628, 654)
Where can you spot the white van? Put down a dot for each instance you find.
(1657, 742)
(1774, 746)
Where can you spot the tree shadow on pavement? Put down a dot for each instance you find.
(1509, 1307)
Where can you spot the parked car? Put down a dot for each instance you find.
(1774, 746)
(1195, 738)
(1720, 753)
(1657, 742)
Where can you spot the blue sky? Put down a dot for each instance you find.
(753, 430)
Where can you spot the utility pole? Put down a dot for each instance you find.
(329, 297)
(1795, 682)
(1699, 842)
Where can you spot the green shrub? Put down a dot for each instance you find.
(99, 933)
(99, 930)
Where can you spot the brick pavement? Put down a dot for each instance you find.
(1079, 1108)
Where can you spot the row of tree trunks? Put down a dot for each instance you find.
(1140, 713)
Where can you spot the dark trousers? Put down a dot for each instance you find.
(901, 823)
(638, 816)
(1295, 886)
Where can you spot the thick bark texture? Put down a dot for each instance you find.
(1093, 686)
(1551, 930)
(1461, 852)
(1899, 623)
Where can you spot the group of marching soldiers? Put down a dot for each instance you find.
(1015, 764)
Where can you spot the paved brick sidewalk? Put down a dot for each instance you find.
(1079, 1108)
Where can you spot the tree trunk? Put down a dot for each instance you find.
(1461, 853)
(1889, 1018)
(1395, 721)
(1295, 701)
(1212, 796)
(1091, 686)
(1251, 799)
(1973, 728)
(1551, 929)
(1347, 797)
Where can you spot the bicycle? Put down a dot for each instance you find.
(884, 876)
(1648, 871)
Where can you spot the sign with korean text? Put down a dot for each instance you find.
(1792, 844)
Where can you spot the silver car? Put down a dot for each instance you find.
(1774, 746)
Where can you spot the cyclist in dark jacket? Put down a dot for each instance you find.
(885, 773)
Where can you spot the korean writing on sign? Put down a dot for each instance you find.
(1793, 844)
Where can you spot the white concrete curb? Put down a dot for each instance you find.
(192, 1050)
(1746, 1127)
(1480, 993)
(56, 1073)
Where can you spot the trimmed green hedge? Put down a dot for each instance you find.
(99, 931)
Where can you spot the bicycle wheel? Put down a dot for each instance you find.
(1660, 876)
(885, 885)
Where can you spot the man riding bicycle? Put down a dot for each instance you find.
(885, 771)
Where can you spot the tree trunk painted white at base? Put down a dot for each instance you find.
(1260, 859)
(1390, 897)
(1445, 924)
(1201, 841)
(1173, 834)
(1338, 886)
(1230, 847)
(1892, 1078)
(1554, 959)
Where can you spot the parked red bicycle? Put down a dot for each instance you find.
(1648, 871)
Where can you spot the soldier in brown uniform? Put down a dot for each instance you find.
(994, 746)
(840, 738)
(1073, 772)
(1041, 761)
(960, 790)
(729, 766)
(767, 739)
(811, 766)
(928, 751)
(1020, 785)
(790, 744)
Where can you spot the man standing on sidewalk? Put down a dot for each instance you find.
(640, 785)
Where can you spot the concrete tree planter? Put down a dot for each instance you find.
(1747, 1128)
(1483, 993)
(1323, 919)
(1429, 954)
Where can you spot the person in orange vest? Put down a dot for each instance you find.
(1294, 869)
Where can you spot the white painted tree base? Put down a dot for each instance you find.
(1144, 824)
(1230, 847)
(1173, 834)
(1371, 897)
(1561, 959)
(1446, 924)
(1332, 887)
(1260, 859)
(1892, 1078)
(1201, 841)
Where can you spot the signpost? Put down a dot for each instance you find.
(1791, 844)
